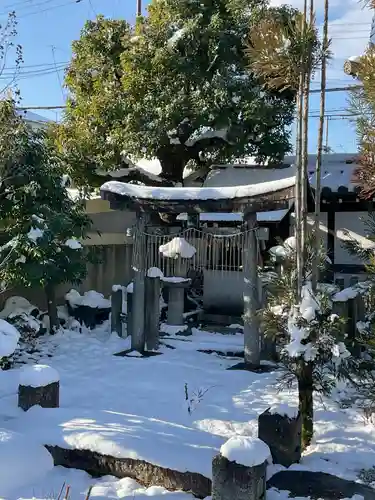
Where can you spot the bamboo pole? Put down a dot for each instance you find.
(305, 137)
(318, 165)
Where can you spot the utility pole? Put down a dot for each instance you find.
(139, 8)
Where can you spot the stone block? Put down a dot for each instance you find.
(233, 481)
(282, 433)
(47, 396)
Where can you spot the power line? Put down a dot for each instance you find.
(72, 2)
(338, 89)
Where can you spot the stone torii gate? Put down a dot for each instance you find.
(248, 199)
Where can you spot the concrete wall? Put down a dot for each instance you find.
(116, 269)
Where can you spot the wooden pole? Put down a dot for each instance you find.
(139, 8)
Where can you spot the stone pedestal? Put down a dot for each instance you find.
(46, 396)
(283, 436)
(232, 481)
(176, 300)
(116, 311)
(152, 312)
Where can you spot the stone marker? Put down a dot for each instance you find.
(129, 310)
(39, 385)
(233, 480)
(280, 427)
(116, 310)
(152, 312)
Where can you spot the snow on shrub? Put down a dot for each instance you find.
(9, 337)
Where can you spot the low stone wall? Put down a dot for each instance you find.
(145, 473)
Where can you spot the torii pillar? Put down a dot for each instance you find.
(250, 251)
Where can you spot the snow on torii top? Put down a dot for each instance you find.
(176, 199)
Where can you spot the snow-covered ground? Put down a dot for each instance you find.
(136, 407)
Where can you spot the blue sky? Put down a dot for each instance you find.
(47, 28)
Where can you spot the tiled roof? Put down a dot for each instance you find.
(336, 173)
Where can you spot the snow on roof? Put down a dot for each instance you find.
(237, 176)
(271, 216)
(337, 172)
(193, 193)
(32, 117)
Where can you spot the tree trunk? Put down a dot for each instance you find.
(318, 166)
(172, 161)
(306, 404)
(54, 323)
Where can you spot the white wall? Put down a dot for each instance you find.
(355, 223)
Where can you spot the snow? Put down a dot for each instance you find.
(73, 244)
(22, 461)
(38, 375)
(35, 233)
(290, 242)
(172, 329)
(195, 193)
(150, 418)
(246, 450)
(9, 337)
(117, 288)
(90, 299)
(155, 272)
(284, 410)
(130, 288)
(345, 295)
(178, 247)
(16, 304)
(174, 279)
(177, 35)
(104, 488)
(207, 133)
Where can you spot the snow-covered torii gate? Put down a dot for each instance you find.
(248, 199)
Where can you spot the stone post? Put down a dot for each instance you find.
(152, 312)
(176, 300)
(252, 338)
(38, 385)
(129, 311)
(232, 480)
(280, 428)
(138, 332)
(116, 310)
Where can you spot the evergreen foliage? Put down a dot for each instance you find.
(175, 87)
(363, 107)
(312, 339)
(41, 225)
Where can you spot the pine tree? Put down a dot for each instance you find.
(311, 337)
(175, 87)
(40, 224)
